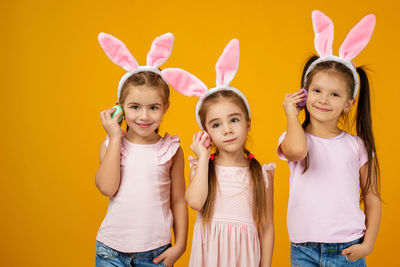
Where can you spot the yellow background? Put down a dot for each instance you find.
(55, 79)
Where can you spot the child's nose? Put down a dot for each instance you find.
(227, 129)
(144, 115)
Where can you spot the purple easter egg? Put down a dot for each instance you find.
(302, 104)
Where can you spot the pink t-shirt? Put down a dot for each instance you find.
(324, 201)
(139, 217)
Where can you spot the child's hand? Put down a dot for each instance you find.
(111, 125)
(357, 251)
(169, 257)
(201, 145)
(289, 105)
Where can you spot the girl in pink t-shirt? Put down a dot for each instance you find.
(329, 166)
(140, 171)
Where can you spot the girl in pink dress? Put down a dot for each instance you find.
(231, 191)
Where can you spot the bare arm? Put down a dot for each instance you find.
(108, 174)
(267, 234)
(197, 191)
(179, 212)
(178, 204)
(294, 146)
(372, 209)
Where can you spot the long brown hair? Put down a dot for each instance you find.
(362, 118)
(257, 180)
(148, 78)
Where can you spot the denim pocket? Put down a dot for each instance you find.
(103, 251)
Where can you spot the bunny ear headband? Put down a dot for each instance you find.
(355, 41)
(118, 53)
(226, 68)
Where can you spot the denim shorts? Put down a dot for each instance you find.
(107, 257)
(311, 254)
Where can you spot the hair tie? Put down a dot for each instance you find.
(250, 157)
(212, 156)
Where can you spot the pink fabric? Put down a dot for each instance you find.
(184, 82)
(160, 51)
(357, 38)
(117, 52)
(323, 28)
(139, 217)
(324, 201)
(228, 63)
(232, 239)
(355, 41)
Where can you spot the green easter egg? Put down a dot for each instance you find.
(118, 110)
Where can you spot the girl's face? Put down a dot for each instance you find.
(227, 126)
(328, 96)
(143, 109)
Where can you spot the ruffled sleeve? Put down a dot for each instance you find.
(167, 148)
(193, 162)
(123, 149)
(270, 167)
(279, 150)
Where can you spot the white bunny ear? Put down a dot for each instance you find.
(357, 38)
(117, 52)
(160, 50)
(184, 82)
(228, 63)
(323, 29)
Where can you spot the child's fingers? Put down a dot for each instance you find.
(347, 250)
(116, 117)
(199, 136)
(160, 257)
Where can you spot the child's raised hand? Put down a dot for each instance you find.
(201, 144)
(169, 256)
(111, 125)
(290, 102)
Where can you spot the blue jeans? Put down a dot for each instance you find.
(311, 254)
(108, 257)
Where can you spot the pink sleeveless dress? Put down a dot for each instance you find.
(232, 238)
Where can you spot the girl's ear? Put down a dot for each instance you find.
(248, 125)
(166, 107)
(349, 104)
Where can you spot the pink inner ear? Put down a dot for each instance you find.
(184, 82)
(323, 29)
(357, 38)
(228, 63)
(117, 52)
(160, 50)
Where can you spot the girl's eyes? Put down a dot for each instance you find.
(216, 125)
(316, 90)
(234, 120)
(334, 94)
(154, 108)
(136, 107)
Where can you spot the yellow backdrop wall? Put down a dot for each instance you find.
(55, 79)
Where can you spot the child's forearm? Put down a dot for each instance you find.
(267, 245)
(197, 191)
(108, 175)
(373, 211)
(180, 226)
(294, 146)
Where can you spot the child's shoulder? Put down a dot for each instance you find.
(167, 148)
